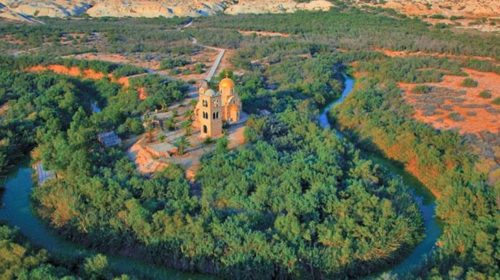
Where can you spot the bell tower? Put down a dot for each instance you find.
(210, 115)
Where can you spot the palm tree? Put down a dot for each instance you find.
(181, 144)
(187, 126)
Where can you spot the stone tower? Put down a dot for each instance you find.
(210, 115)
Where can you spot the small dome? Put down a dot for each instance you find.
(226, 83)
(210, 92)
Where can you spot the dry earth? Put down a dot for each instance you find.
(450, 105)
(19, 9)
(77, 72)
(481, 15)
(119, 59)
(466, 8)
(393, 53)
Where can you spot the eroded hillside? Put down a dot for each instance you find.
(19, 9)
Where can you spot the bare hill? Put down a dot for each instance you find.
(26, 9)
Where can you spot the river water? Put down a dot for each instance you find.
(423, 197)
(16, 211)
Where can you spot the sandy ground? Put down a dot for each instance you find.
(478, 114)
(119, 59)
(77, 72)
(392, 53)
(226, 62)
(263, 33)
(206, 56)
(154, 156)
(466, 23)
(149, 161)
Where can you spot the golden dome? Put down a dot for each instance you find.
(226, 83)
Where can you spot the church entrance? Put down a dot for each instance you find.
(234, 113)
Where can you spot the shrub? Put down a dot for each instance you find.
(468, 82)
(456, 117)
(485, 94)
(438, 16)
(496, 101)
(170, 63)
(422, 89)
(441, 25)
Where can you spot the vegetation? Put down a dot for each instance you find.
(48, 103)
(468, 82)
(422, 89)
(295, 202)
(170, 63)
(496, 101)
(18, 260)
(485, 94)
(441, 160)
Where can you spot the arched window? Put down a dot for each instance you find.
(205, 129)
(204, 103)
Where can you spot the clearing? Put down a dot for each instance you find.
(451, 105)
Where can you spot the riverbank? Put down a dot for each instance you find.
(422, 195)
(16, 211)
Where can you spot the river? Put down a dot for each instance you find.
(16, 211)
(423, 197)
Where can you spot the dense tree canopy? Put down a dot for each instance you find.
(296, 201)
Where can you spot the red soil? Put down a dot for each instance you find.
(142, 93)
(475, 119)
(77, 72)
(392, 53)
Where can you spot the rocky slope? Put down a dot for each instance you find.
(465, 8)
(25, 9)
(151, 8)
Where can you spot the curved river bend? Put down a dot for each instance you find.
(16, 211)
(424, 199)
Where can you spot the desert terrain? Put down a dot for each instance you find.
(477, 14)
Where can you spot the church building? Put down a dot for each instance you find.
(216, 108)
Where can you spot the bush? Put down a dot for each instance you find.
(468, 82)
(485, 94)
(456, 117)
(170, 63)
(496, 101)
(438, 16)
(422, 89)
(441, 25)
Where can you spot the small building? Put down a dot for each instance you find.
(215, 108)
(109, 139)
